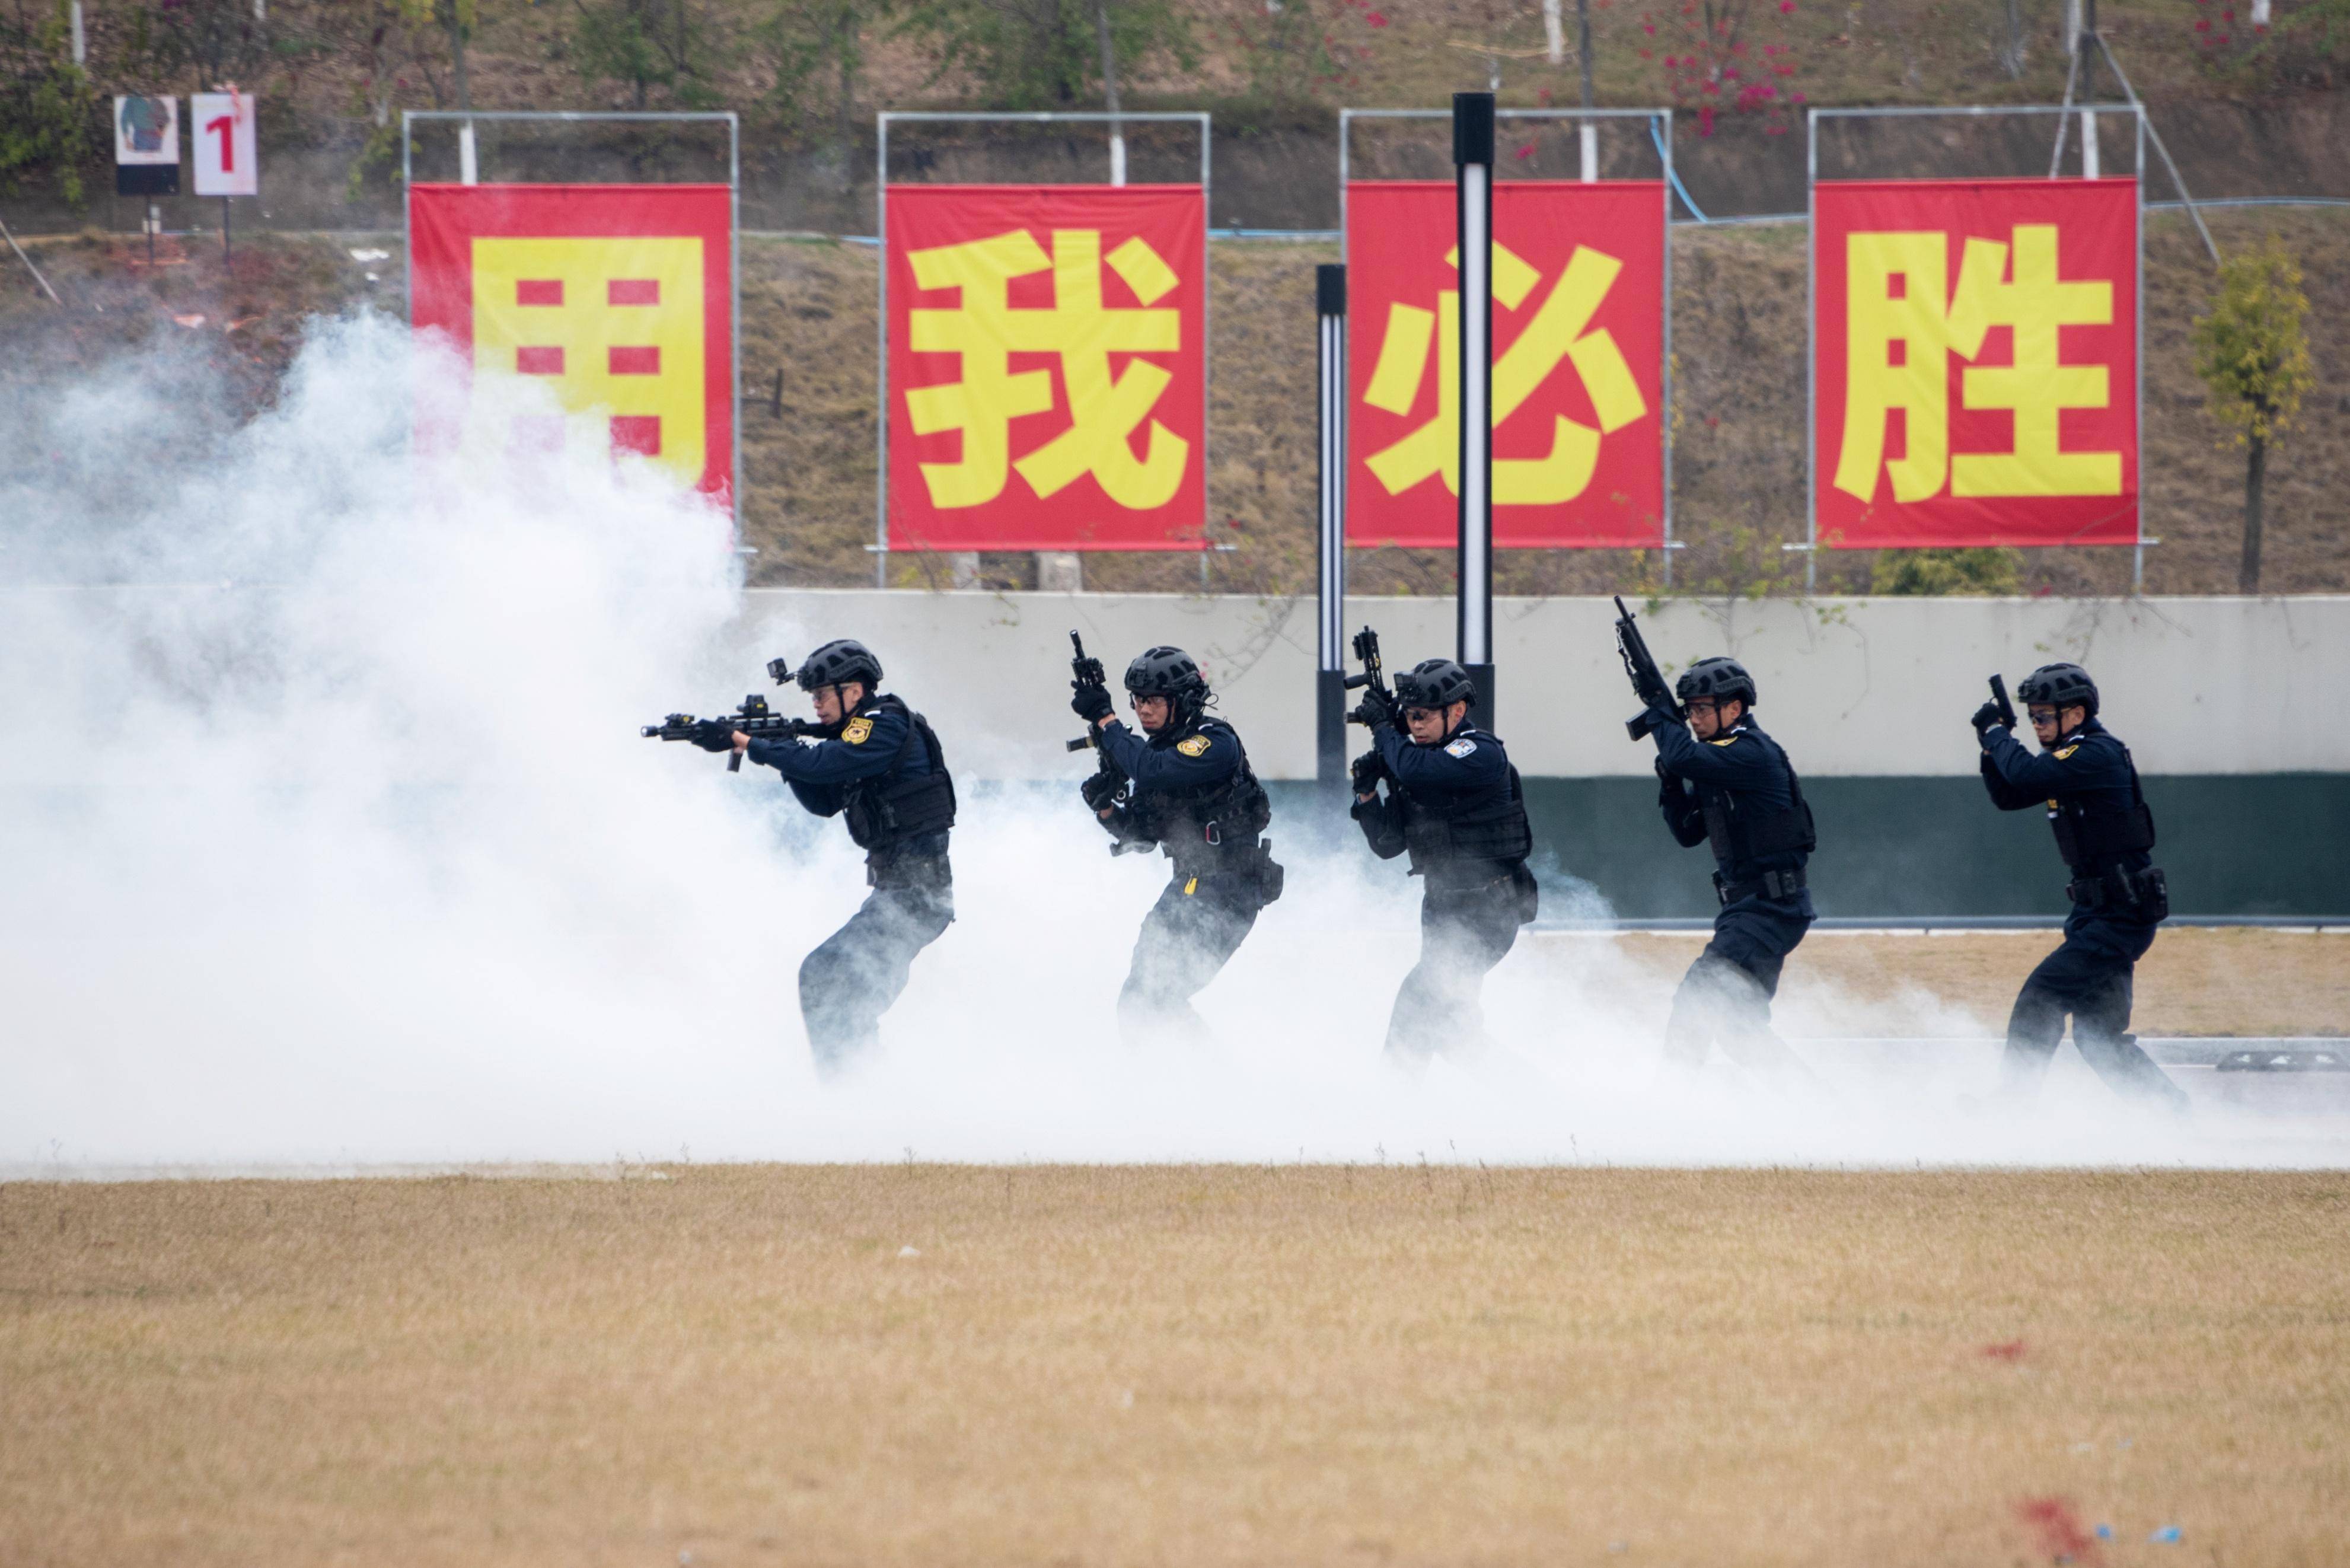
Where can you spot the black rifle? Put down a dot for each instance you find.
(1084, 672)
(1648, 680)
(1998, 695)
(753, 718)
(1367, 648)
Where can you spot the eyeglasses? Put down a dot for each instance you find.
(2043, 715)
(1704, 705)
(1414, 716)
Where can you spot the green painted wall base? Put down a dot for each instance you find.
(2262, 844)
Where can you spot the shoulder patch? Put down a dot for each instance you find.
(857, 730)
(1460, 748)
(2064, 751)
(1193, 746)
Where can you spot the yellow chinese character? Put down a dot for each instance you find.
(613, 325)
(1558, 331)
(984, 330)
(1897, 341)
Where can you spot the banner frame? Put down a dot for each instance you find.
(2089, 112)
(410, 117)
(1662, 139)
(1200, 117)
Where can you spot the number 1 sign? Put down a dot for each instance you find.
(228, 162)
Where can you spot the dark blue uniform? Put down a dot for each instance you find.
(2090, 789)
(1739, 791)
(1193, 795)
(881, 769)
(1457, 809)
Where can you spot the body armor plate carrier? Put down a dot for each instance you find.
(2092, 840)
(2088, 838)
(1494, 832)
(1213, 831)
(1747, 832)
(885, 810)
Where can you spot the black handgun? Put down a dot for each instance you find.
(1648, 680)
(1999, 696)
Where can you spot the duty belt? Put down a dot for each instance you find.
(2120, 890)
(1770, 885)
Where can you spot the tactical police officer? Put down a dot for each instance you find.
(1184, 784)
(1453, 806)
(2104, 830)
(879, 767)
(1725, 783)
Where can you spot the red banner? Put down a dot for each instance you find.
(1578, 356)
(620, 297)
(1975, 362)
(1047, 368)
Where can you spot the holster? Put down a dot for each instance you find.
(1770, 885)
(2135, 895)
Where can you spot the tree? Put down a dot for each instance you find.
(49, 117)
(1716, 64)
(1939, 572)
(1047, 53)
(2254, 356)
(642, 44)
(819, 53)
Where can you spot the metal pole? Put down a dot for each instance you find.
(1346, 125)
(228, 246)
(1330, 673)
(881, 359)
(734, 303)
(1473, 161)
(1810, 351)
(1207, 355)
(2137, 300)
(1665, 414)
(2147, 129)
(406, 214)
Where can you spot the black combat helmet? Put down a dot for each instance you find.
(1171, 673)
(2061, 686)
(1435, 683)
(1717, 680)
(846, 659)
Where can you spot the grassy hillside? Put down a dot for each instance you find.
(809, 453)
(324, 65)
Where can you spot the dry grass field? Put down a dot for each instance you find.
(2240, 981)
(1235, 1365)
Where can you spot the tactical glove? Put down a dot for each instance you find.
(1368, 770)
(1092, 703)
(1101, 789)
(714, 734)
(1668, 784)
(1986, 718)
(1377, 708)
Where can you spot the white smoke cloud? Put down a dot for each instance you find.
(330, 841)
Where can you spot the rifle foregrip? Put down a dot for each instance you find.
(733, 762)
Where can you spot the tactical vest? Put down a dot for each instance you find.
(1745, 830)
(2090, 837)
(888, 808)
(1494, 830)
(1203, 831)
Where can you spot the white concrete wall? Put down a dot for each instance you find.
(1858, 686)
